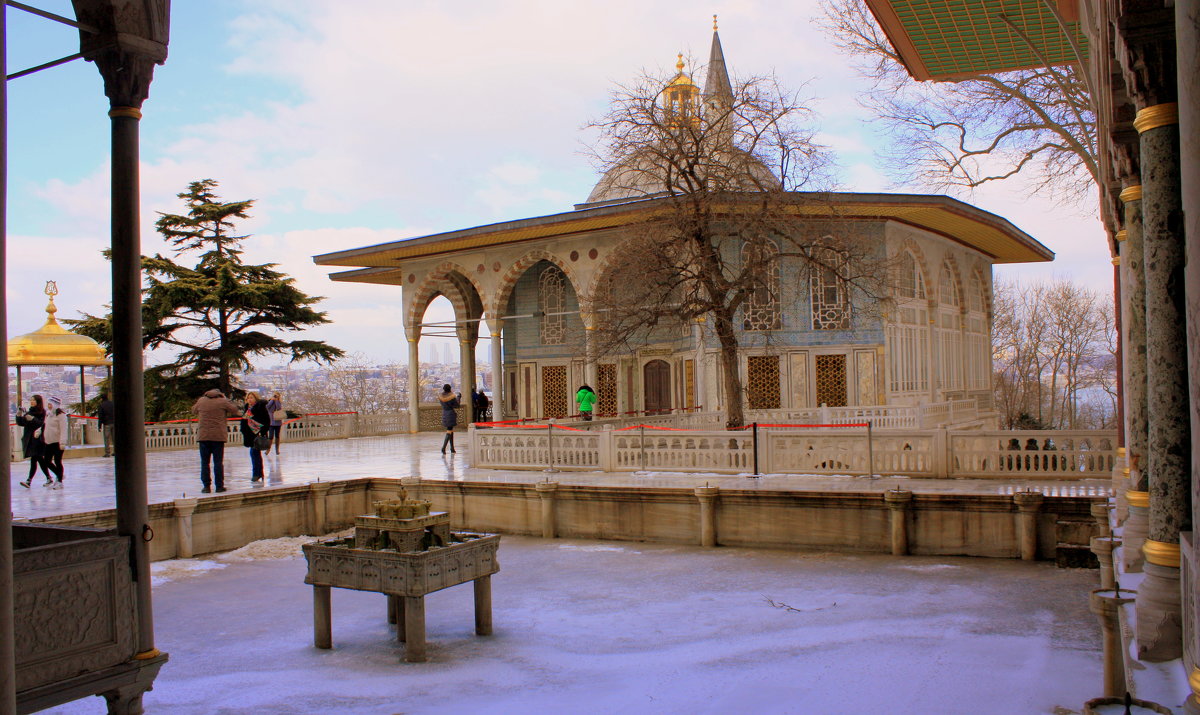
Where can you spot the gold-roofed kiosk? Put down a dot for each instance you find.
(53, 344)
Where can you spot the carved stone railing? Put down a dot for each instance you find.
(1059, 455)
(74, 617)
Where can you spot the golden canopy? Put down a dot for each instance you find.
(52, 344)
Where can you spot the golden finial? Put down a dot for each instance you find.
(714, 23)
(51, 290)
(679, 64)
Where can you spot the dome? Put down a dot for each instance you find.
(51, 344)
(642, 176)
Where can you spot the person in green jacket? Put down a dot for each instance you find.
(585, 399)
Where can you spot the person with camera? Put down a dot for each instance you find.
(33, 444)
(256, 433)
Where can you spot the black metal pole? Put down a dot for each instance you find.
(130, 441)
(755, 426)
(8, 663)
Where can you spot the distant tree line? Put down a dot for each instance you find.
(1054, 356)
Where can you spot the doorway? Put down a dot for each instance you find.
(656, 379)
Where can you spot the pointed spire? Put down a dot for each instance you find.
(717, 89)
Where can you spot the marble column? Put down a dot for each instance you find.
(467, 377)
(701, 364)
(1168, 462)
(1187, 37)
(496, 327)
(414, 386)
(899, 502)
(589, 349)
(708, 515)
(1133, 333)
(545, 491)
(1029, 504)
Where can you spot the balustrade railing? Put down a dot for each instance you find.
(181, 434)
(853, 449)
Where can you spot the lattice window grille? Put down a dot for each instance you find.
(554, 391)
(908, 358)
(831, 380)
(830, 299)
(762, 307)
(552, 288)
(762, 373)
(606, 388)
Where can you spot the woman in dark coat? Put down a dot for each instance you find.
(449, 417)
(33, 421)
(256, 421)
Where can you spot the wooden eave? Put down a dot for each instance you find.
(967, 225)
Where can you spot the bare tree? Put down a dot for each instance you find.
(953, 135)
(721, 173)
(353, 384)
(1052, 356)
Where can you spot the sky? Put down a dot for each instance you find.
(362, 122)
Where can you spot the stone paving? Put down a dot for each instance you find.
(88, 485)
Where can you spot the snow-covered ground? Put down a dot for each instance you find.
(607, 627)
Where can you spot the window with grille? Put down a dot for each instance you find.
(606, 388)
(949, 329)
(762, 384)
(762, 306)
(552, 288)
(830, 298)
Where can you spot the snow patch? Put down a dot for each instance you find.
(285, 547)
(597, 547)
(162, 572)
(928, 567)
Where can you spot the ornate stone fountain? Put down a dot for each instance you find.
(405, 551)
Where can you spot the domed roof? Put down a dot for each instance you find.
(51, 344)
(644, 172)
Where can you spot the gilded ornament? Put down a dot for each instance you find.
(1161, 553)
(1138, 499)
(1122, 235)
(1160, 115)
(1131, 193)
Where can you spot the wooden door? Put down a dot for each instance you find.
(656, 384)
(529, 394)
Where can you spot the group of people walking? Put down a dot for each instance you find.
(42, 437)
(261, 426)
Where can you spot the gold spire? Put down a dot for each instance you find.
(679, 64)
(714, 23)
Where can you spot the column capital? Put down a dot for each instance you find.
(1137, 498)
(1122, 236)
(707, 493)
(898, 498)
(1131, 193)
(1160, 115)
(1161, 553)
(185, 507)
(546, 489)
(1029, 501)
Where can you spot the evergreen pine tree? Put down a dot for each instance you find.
(219, 314)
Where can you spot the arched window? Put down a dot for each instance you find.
(762, 308)
(910, 279)
(949, 328)
(978, 337)
(908, 334)
(830, 298)
(552, 287)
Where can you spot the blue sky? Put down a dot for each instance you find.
(354, 123)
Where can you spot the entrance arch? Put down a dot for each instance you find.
(656, 384)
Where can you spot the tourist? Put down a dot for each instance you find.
(450, 403)
(256, 433)
(585, 399)
(278, 415)
(54, 433)
(33, 421)
(211, 433)
(106, 416)
(479, 402)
